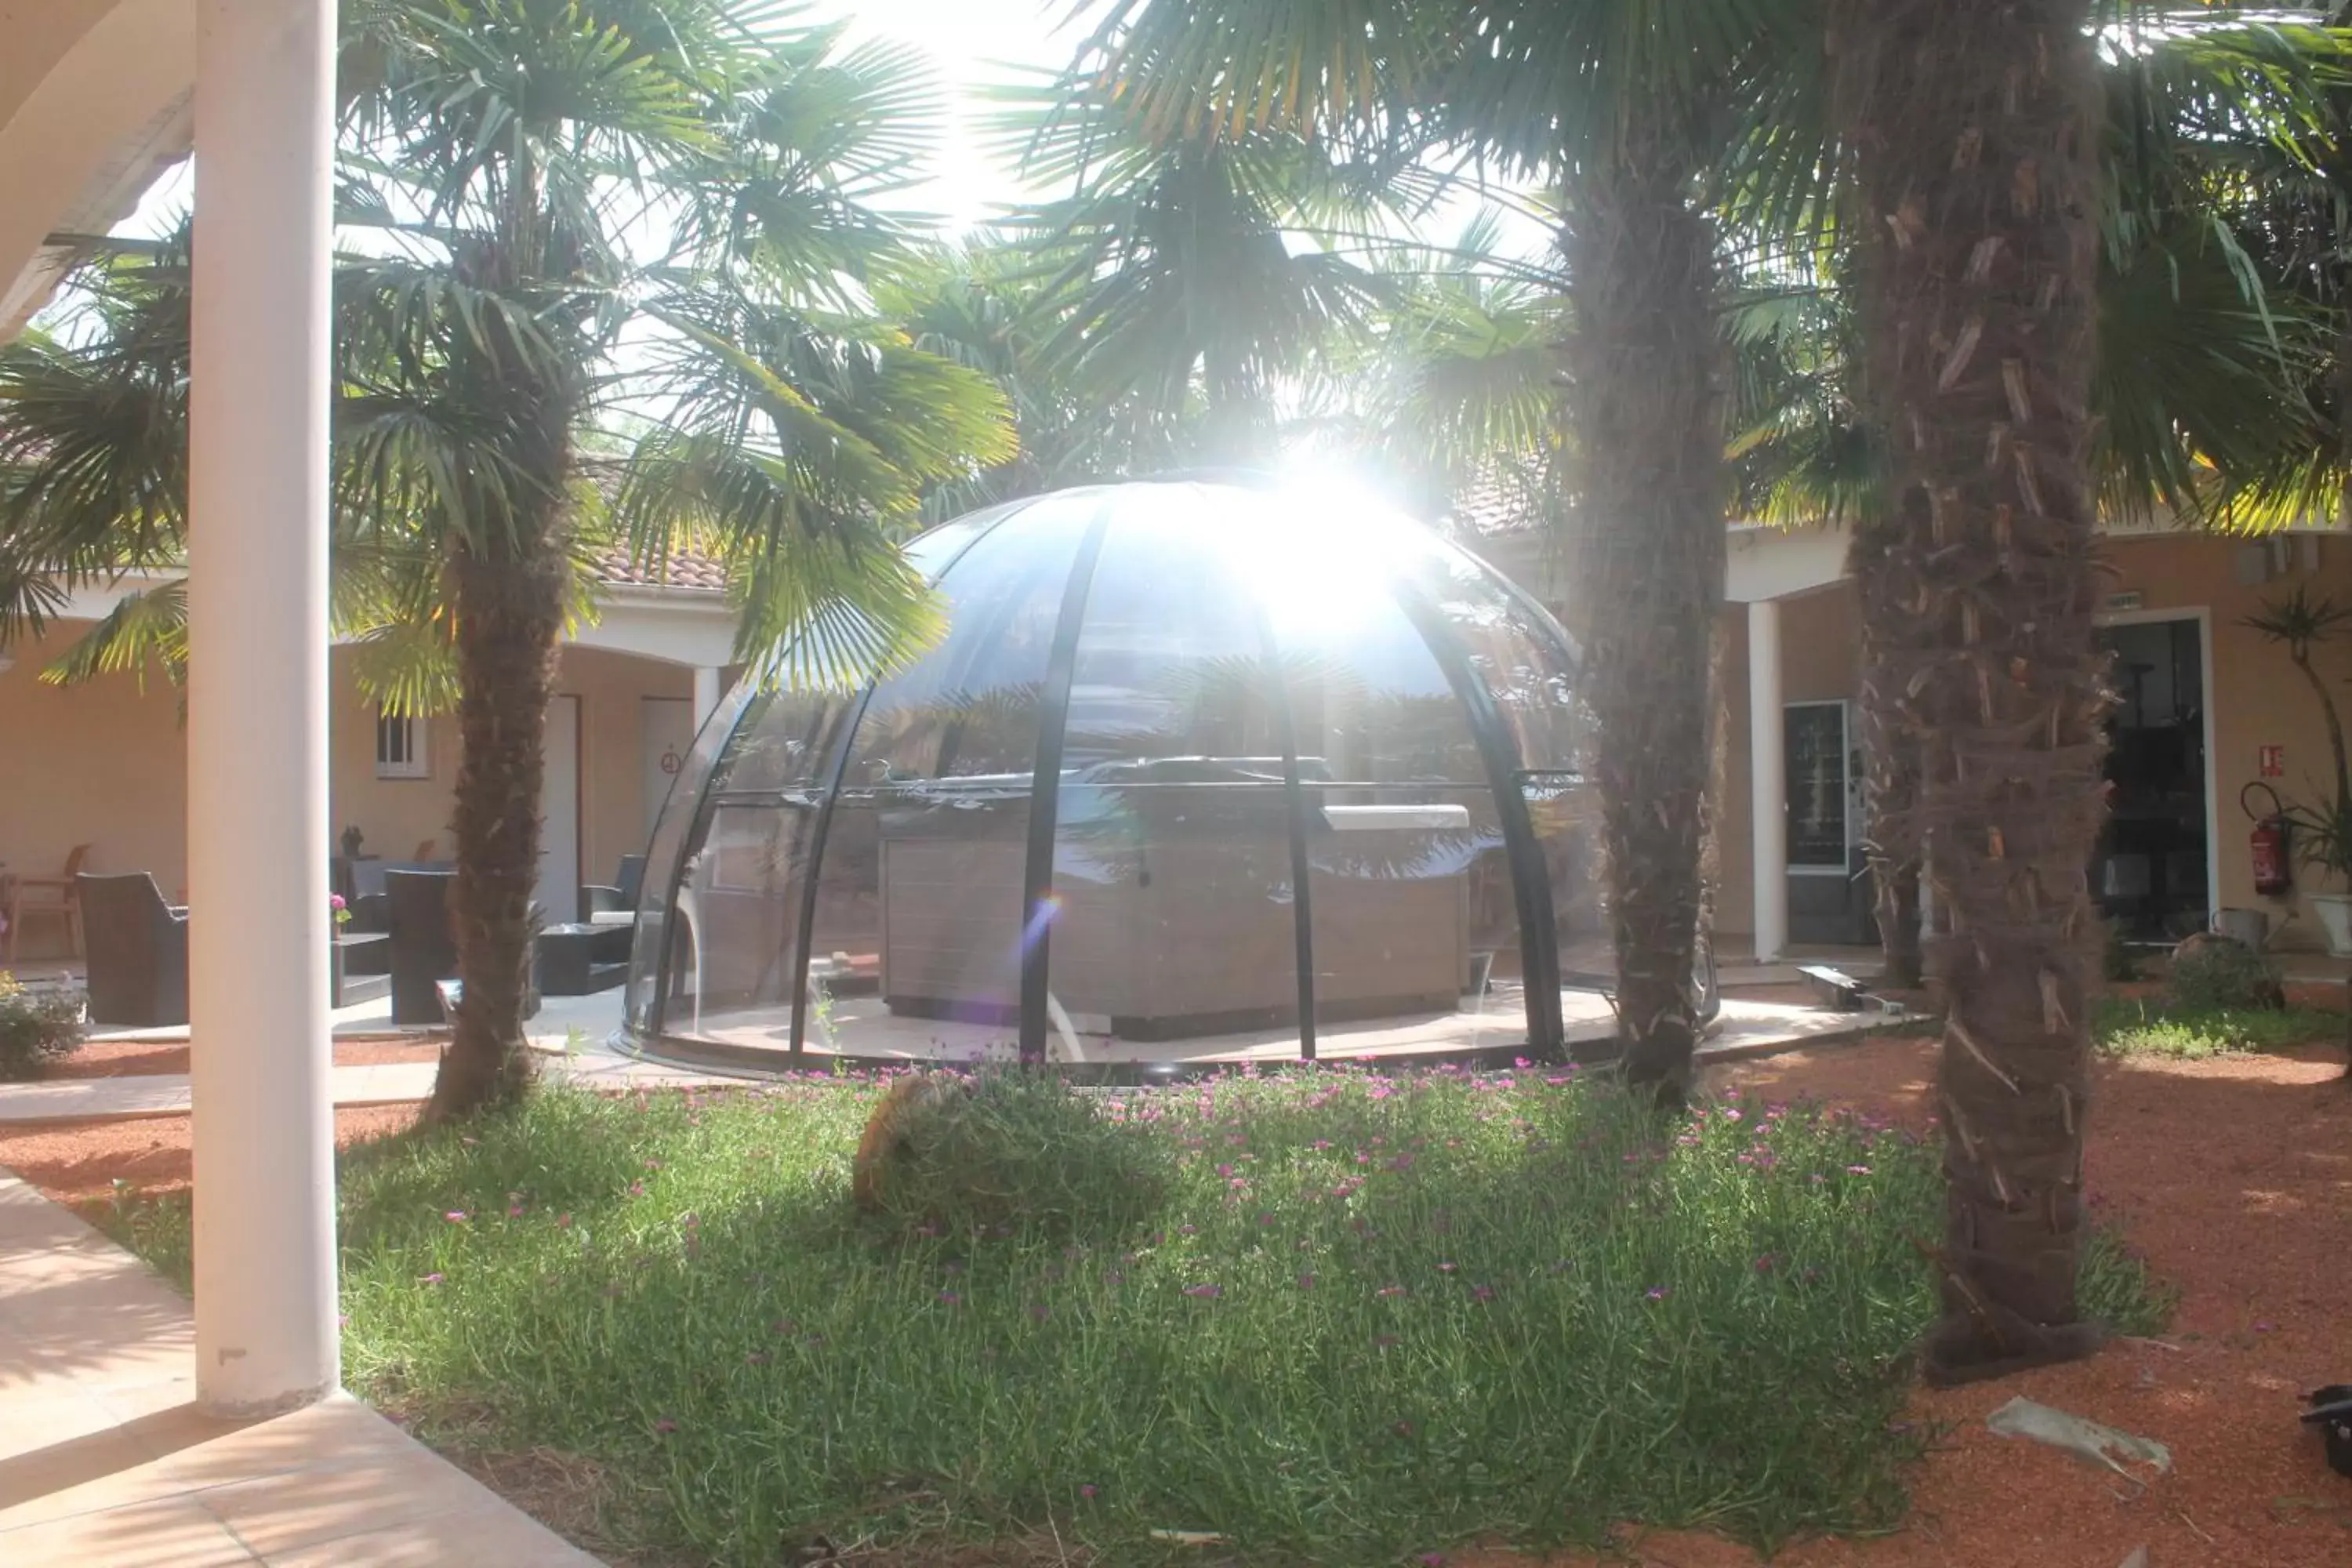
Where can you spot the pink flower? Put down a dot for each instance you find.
(636, 1189)
(432, 1280)
(1445, 1267)
(1204, 1293)
(1086, 1490)
(457, 1216)
(1657, 1292)
(1306, 1282)
(1386, 1291)
(1857, 1170)
(564, 1222)
(1384, 1341)
(665, 1426)
(1482, 1292)
(949, 1298)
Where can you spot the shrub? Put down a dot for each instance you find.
(37, 1028)
(2219, 974)
(2119, 963)
(1006, 1147)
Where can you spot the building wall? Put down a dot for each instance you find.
(105, 763)
(98, 764)
(397, 814)
(1820, 660)
(2256, 699)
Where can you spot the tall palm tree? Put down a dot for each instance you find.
(1975, 137)
(1624, 105)
(582, 208)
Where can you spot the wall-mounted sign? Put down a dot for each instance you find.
(2127, 600)
(2273, 762)
(671, 761)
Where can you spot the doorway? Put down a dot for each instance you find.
(2151, 871)
(1828, 892)
(559, 814)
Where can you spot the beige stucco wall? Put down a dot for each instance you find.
(100, 765)
(613, 807)
(2256, 699)
(104, 763)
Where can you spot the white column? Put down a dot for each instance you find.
(1767, 780)
(256, 739)
(707, 692)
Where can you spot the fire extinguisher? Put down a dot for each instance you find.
(2268, 844)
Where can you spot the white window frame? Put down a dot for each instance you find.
(419, 762)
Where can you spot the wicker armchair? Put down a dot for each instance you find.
(138, 951)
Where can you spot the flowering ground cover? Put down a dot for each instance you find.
(1358, 1318)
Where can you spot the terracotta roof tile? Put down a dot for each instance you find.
(683, 569)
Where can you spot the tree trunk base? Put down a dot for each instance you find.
(467, 1085)
(1962, 1351)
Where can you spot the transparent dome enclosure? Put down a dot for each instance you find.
(1200, 772)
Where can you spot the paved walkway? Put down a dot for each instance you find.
(378, 1083)
(105, 1463)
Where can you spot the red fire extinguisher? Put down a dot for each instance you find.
(2268, 844)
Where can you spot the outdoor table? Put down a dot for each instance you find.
(573, 960)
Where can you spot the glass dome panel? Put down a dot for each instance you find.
(745, 798)
(1519, 652)
(657, 884)
(1173, 920)
(916, 940)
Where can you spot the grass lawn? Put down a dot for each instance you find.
(2152, 1027)
(1363, 1318)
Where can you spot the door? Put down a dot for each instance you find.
(2149, 872)
(1827, 901)
(559, 816)
(667, 725)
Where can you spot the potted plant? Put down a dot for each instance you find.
(2322, 827)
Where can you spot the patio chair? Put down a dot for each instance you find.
(615, 905)
(423, 952)
(50, 896)
(138, 957)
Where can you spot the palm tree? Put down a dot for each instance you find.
(1624, 105)
(579, 209)
(1187, 289)
(1975, 139)
(2206, 356)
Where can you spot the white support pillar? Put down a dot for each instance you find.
(707, 689)
(1767, 780)
(256, 738)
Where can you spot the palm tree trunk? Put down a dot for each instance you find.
(1647, 424)
(1972, 123)
(1890, 762)
(509, 616)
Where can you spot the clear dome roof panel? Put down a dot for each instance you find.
(969, 708)
(1198, 772)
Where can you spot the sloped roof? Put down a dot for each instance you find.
(684, 569)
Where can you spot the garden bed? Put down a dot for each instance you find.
(138, 1058)
(682, 1349)
(1366, 1318)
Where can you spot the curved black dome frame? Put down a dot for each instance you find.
(1497, 749)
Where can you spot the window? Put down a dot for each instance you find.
(399, 747)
